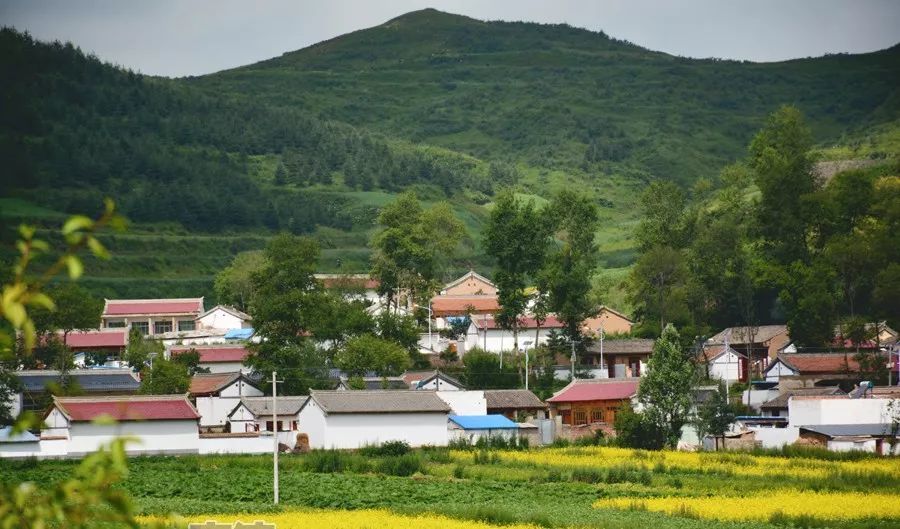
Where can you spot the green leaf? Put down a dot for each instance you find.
(26, 231)
(41, 300)
(15, 313)
(97, 248)
(75, 223)
(73, 263)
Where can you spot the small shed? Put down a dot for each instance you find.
(254, 414)
(352, 419)
(224, 317)
(22, 444)
(475, 427)
(217, 394)
(876, 437)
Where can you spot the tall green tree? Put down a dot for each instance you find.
(808, 295)
(165, 377)
(368, 353)
(779, 155)
(665, 390)
(517, 239)
(141, 350)
(663, 222)
(568, 269)
(412, 246)
(715, 416)
(234, 284)
(658, 286)
(285, 312)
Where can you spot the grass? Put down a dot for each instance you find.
(480, 485)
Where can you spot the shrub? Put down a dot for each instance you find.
(486, 457)
(388, 448)
(597, 439)
(588, 475)
(459, 472)
(402, 465)
(330, 461)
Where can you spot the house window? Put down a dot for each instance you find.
(141, 326)
(187, 325)
(596, 416)
(115, 324)
(580, 417)
(269, 427)
(160, 327)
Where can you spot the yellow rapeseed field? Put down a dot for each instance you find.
(824, 505)
(718, 462)
(338, 519)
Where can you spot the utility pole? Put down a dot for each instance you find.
(602, 370)
(526, 343)
(275, 436)
(574, 359)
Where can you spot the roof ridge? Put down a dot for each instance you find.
(114, 398)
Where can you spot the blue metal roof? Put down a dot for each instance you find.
(88, 380)
(483, 422)
(239, 334)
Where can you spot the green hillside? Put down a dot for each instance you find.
(557, 96)
(317, 140)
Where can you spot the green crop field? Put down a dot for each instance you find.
(610, 488)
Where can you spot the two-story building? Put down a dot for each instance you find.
(152, 316)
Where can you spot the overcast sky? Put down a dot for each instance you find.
(184, 37)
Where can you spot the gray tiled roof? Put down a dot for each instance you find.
(740, 335)
(623, 346)
(263, 405)
(781, 401)
(88, 380)
(512, 398)
(379, 401)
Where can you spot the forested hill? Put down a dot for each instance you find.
(557, 96)
(317, 140)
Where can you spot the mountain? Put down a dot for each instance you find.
(555, 96)
(315, 141)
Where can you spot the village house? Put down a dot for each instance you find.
(760, 343)
(590, 401)
(718, 362)
(486, 334)
(159, 424)
(802, 370)
(439, 381)
(352, 419)
(375, 383)
(224, 317)
(609, 321)
(514, 404)
(778, 407)
(254, 414)
(868, 422)
(622, 357)
(472, 294)
(353, 286)
(111, 343)
(152, 316)
(35, 394)
(22, 444)
(217, 358)
(464, 402)
(217, 394)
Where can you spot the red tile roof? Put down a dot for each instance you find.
(215, 354)
(211, 383)
(459, 305)
(76, 339)
(348, 280)
(588, 390)
(820, 363)
(127, 408)
(524, 323)
(153, 306)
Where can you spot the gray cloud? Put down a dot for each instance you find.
(180, 37)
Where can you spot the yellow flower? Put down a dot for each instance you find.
(793, 503)
(337, 519)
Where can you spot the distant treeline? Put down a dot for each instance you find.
(75, 129)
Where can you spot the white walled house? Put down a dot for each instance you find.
(465, 402)
(161, 424)
(484, 333)
(217, 358)
(254, 414)
(352, 419)
(217, 394)
(721, 363)
(152, 316)
(438, 381)
(224, 317)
